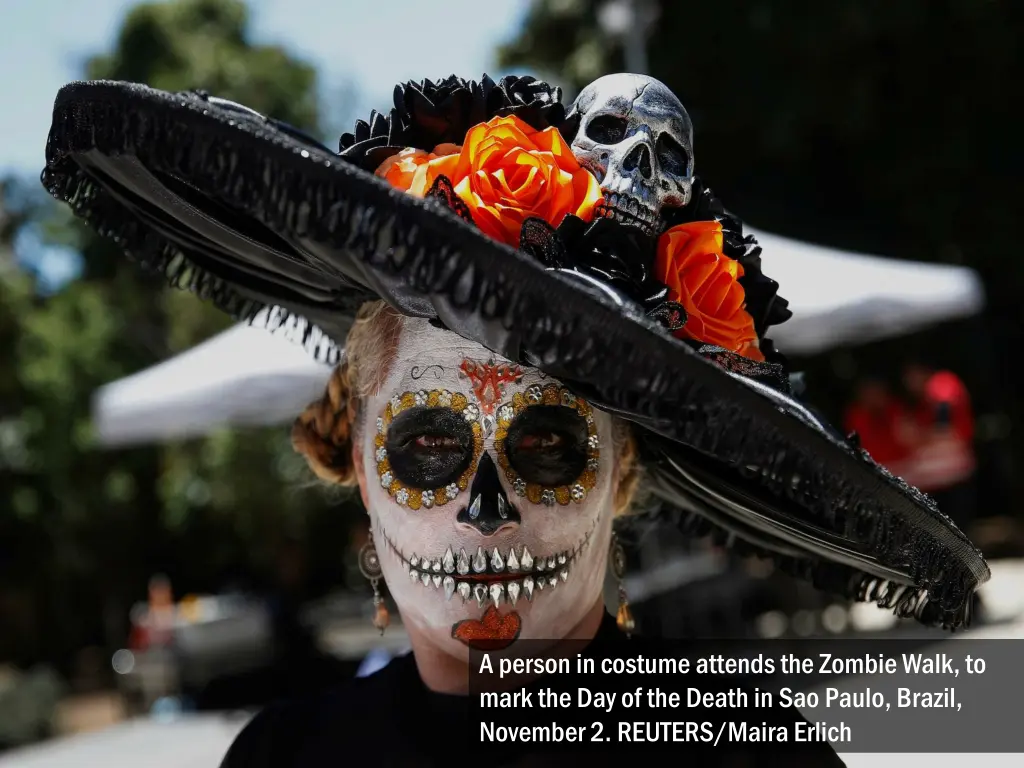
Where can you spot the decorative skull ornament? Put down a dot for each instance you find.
(637, 139)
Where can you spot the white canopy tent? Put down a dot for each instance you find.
(840, 298)
(245, 376)
(248, 376)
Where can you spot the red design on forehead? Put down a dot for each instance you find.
(489, 381)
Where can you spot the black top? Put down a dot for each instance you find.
(392, 719)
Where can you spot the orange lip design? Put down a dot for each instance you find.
(493, 633)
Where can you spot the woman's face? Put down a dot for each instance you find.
(490, 492)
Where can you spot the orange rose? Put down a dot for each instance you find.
(506, 172)
(415, 170)
(706, 282)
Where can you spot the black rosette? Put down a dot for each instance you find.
(427, 114)
(618, 257)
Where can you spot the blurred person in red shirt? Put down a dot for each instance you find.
(883, 424)
(944, 462)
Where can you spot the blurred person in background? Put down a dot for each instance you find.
(882, 423)
(944, 461)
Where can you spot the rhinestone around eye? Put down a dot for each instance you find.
(385, 480)
(593, 442)
(396, 404)
(547, 498)
(444, 398)
(380, 425)
(505, 413)
(402, 497)
(382, 453)
(578, 492)
(590, 418)
(452, 491)
(593, 464)
(428, 499)
(519, 486)
(471, 412)
(568, 398)
(534, 394)
(420, 398)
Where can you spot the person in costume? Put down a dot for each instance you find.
(536, 311)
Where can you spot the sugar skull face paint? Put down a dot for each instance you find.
(491, 502)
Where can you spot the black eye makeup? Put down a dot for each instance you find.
(547, 445)
(427, 446)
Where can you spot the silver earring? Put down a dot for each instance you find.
(369, 566)
(617, 560)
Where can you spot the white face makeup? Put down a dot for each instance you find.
(490, 493)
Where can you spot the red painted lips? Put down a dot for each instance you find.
(493, 632)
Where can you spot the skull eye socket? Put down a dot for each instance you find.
(547, 445)
(607, 129)
(429, 447)
(671, 156)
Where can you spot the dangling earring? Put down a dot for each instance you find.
(369, 565)
(617, 558)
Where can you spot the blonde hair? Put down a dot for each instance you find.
(327, 430)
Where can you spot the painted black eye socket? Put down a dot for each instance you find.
(607, 129)
(673, 158)
(547, 445)
(429, 447)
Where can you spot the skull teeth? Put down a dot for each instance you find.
(466, 575)
(496, 562)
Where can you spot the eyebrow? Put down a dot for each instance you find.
(419, 371)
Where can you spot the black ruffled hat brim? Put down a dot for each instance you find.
(249, 213)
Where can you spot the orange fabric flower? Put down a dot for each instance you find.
(415, 170)
(506, 172)
(705, 281)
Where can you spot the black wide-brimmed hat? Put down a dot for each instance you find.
(577, 241)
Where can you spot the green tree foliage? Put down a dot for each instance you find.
(880, 127)
(82, 529)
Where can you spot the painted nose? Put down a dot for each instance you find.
(489, 509)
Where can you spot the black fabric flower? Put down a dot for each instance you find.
(620, 257)
(427, 114)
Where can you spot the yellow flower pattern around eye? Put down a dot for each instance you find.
(415, 498)
(552, 394)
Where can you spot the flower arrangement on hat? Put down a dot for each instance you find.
(507, 172)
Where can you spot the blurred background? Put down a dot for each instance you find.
(162, 550)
